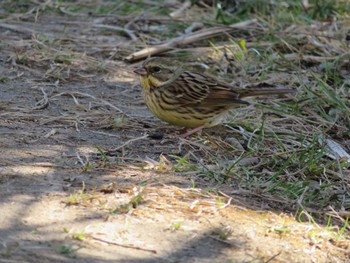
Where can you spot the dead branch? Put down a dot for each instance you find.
(186, 39)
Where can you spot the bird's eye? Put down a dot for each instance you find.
(156, 70)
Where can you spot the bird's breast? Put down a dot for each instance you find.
(149, 82)
(181, 115)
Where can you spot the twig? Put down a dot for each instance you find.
(121, 245)
(17, 28)
(133, 20)
(225, 242)
(87, 95)
(199, 145)
(105, 133)
(339, 214)
(65, 11)
(273, 257)
(310, 58)
(43, 103)
(177, 13)
(186, 39)
(128, 142)
(129, 32)
(336, 150)
(81, 160)
(50, 133)
(193, 27)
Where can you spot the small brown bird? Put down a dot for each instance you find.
(189, 99)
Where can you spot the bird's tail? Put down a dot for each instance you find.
(250, 92)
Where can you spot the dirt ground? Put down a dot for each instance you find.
(85, 174)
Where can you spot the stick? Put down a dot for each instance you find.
(129, 141)
(18, 28)
(129, 32)
(43, 103)
(180, 11)
(186, 39)
(273, 257)
(125, 246)
(86, 95)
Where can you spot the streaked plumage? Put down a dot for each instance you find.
(190, 99)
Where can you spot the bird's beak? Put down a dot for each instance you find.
(141, 71)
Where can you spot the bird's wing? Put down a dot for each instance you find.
(193, 88)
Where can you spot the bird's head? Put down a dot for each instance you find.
(155, 72)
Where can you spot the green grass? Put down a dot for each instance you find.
(280, 11)
(116, 7)
(294, 164)
(68, 249)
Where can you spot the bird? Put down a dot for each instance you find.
(189, 99)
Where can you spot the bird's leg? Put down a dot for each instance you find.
(189, 132)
